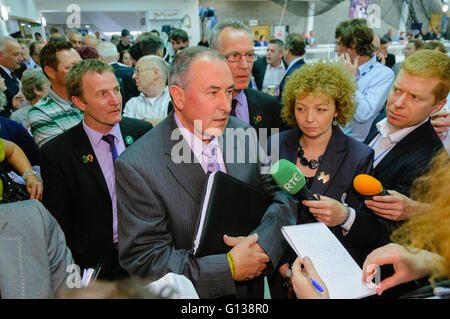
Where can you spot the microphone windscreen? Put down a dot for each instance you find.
(288, 176)
(367, 185)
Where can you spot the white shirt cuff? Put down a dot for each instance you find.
(348, 224)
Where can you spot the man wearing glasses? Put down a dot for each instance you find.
(233, 40)
(151, 75)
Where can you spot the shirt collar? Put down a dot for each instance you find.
(383, 127)
(195, 143)
(365, 67)
(8, 71)
(279, 67)
(95, 137)
(293, 62)
(152, 100)
(241, 98)
(58, 99)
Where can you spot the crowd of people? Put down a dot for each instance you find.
(108, 146)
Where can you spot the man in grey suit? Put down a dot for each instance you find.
(35, 257)
(159, 195)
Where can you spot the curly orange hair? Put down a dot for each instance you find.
(429, 230)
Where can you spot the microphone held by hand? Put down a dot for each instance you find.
(368, 185)
(289, 177)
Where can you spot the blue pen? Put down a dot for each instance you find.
(316, 284)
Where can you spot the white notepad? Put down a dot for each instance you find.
(335, 266)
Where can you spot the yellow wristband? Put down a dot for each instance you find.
(232, 265)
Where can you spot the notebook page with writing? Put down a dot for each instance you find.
(338, 270)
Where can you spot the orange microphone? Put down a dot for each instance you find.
(368, 185)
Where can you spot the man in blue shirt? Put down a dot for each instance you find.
(356, 51)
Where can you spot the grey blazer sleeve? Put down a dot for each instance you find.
(59, 255)
(36, 248)
(282, 212)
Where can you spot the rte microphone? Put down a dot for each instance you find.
(368, 185)
(289, 177)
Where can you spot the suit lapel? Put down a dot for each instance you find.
(229, 147)
(190, 175)
(128, 133)
(332, 158)
(399, 149)
(82, 149)
(253, 108)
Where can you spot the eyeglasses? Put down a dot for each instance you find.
(140, 70)
(236, 57)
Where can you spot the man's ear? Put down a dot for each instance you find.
(439, 106)
(178, 97)
(49, 71)
(79, 103)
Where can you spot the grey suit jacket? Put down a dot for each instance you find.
(159, 202)
(34, 252)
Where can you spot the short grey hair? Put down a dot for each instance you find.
(107, 50)
(232, 23)
(183, 61)
(156, 61)
(33, 78)
(3, 42)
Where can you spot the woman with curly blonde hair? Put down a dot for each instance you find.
(421, 246)
(317, 99)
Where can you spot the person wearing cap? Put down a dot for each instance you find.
(125, 41)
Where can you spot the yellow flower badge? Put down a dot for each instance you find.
(323, 177)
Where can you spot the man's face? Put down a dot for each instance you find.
(410, 48)
(384, 49)
(237, 42)
(411, 100)
(178, 44)
(37, 50)
(12, 55)
(208, 97)
(65, 58)
(144, 76)
(274, 55)
(101, 102)
(75, 40)
(126, 40)
(25, 50)
(342, 49)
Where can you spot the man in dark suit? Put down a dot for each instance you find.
(404, 143)
(160, 194)
(270, 69)
(124, 74)
(78, 167)
(233, 40)
(294, 50)
(10, 60)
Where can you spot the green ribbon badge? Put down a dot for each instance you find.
(257, 119)
(129, 140)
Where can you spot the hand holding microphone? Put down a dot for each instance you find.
(391, 205)
(289, 177)
(368, 186)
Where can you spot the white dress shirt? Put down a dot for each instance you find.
(273, 76)
(142, 107)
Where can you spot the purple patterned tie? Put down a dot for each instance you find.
(210, 157)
